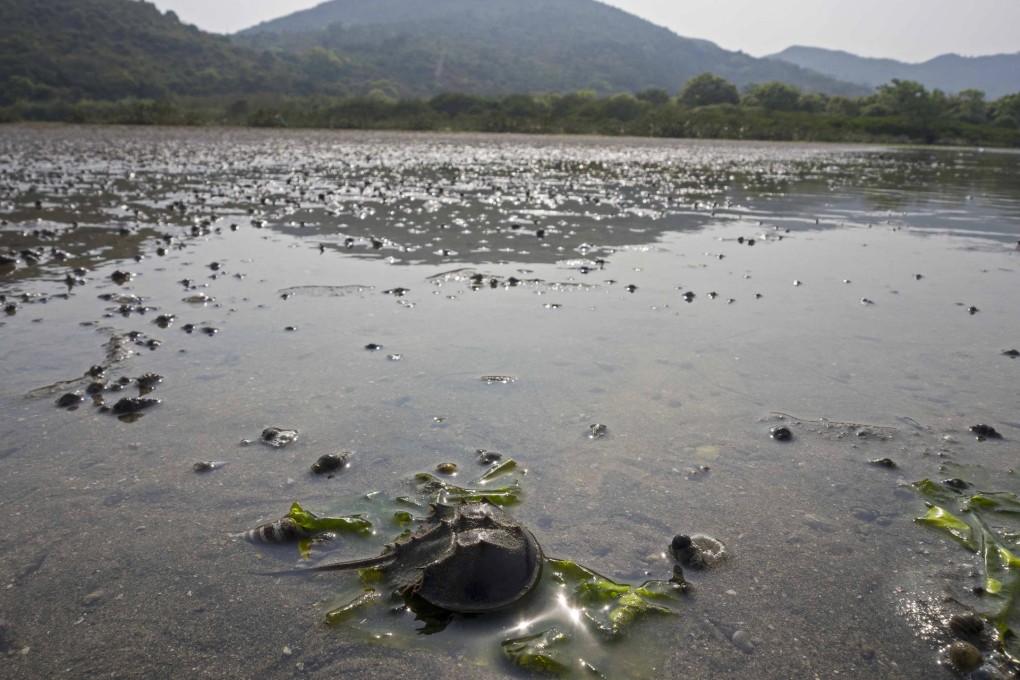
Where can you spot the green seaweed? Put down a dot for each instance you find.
(959, 530)
(979, 523)
(542, 652)
(312, 523)
(440, 491)
(610, 607)
(504, 468)
(344, 612)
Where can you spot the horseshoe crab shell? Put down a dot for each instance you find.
(469, 558)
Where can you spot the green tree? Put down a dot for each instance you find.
(970, 107)
(773, 97)
(707, 89)
(906, 98)
(457, 104)
(519, 106)
(843, 107)
(323, 64)
(654, 96)
(623, 106)
(1005, 111)
(813, 102)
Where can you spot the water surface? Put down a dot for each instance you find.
(872, 309)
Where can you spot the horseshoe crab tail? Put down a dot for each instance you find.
(362, 563)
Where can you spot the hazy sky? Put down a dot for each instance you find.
(909, 30)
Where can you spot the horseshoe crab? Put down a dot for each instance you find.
(468, 558)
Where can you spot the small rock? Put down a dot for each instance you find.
(130, 405)
(504, 379)
(70, 399)
(488, 457)
(964, 656)
(597, 431)
(330, 463)
(1012, 353)
(884, 462)
(781, 433)
(742, 641)
(278, 438)
(207, 466)
(967, 625)
(983, 432)
(447, 468)
(698, 551)
(93, 598)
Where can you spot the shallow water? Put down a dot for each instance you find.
(560, 262)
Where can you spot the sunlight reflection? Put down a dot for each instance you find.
(573, 613)
(561, 610)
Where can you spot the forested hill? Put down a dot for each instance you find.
(995, 75)
(415, 48)
(111, 49)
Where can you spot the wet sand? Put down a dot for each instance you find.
(851, 314)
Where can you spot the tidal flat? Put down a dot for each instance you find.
(413, 299)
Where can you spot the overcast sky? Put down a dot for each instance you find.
(909, 30)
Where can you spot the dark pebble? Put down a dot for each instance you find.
(967, 625)
(781, 433)
(133, 405)
(329, 463)
(680, 542)
(955, 483)
(70, 399)
(488, 457)
(1011, 353)
(597, 431)
(885, 462)
(985, 431)
(373, 347)
(149, 380)
(164, 320)
(277, 437)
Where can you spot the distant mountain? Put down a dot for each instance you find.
(996, 75)
(416, 48)
(111, 49)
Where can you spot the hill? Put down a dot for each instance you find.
(111, 49)
(414, 48)
(996, 75)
